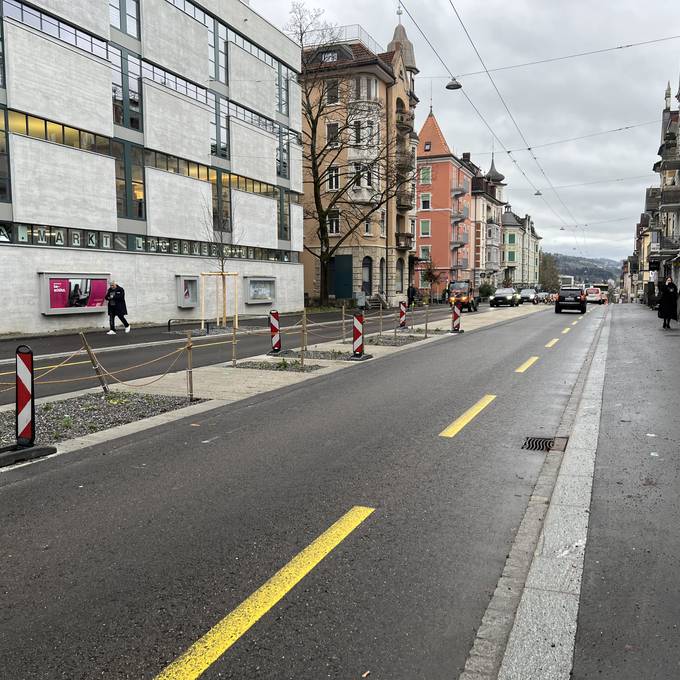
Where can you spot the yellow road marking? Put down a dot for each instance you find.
(574, 323)
(47, 368)
(526, 365)
(457, 425)
(552, 343)
(208, 649)
(565, 331)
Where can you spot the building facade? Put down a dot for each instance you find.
(444, 230)
(368, 117)
(144, 141)
(521, 250)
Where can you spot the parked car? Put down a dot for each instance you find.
(594, 296)
(571, 297)
(543, 296)
(527, 295)
(505, 296)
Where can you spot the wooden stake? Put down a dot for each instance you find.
(303, 346)
(427, 318)
(344, 336)
(202, 302)
(95, 364)
(233, 344)
(381, 320)
(190, 367)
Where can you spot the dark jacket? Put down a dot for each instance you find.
(116, 298)
(668, 302)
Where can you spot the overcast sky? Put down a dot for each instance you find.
(549, 101)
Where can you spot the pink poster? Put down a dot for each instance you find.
(98, 288)
(59, 293)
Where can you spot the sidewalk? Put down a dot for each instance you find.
(629, 615)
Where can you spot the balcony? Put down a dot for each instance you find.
(652, 196)
(405, 161)
(405, 200)
(458, 190)
(459, 240)
(457, 216)
(461, 264)
(663, 248)
(670, 199)
(405, 121)
(404, 240)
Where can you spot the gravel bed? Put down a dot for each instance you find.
(57, 421)
(431, 331)
(332, 355)
(283, 365)
(391, 341)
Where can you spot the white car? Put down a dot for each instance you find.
(594, 296)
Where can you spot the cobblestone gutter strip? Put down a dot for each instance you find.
(491, 640)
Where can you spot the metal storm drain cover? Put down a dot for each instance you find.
(538, 443)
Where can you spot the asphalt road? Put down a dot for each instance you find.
(120, 352)
(630, 603)
(116, 559)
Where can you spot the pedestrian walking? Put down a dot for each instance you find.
(668, 302)
(117, 308)
(411, 294)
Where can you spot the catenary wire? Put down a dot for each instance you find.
(514, 121)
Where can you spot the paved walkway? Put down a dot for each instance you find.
(629, 617)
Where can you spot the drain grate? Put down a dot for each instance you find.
(538, 443)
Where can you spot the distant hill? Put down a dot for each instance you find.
(587, 269)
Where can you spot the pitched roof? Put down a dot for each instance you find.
(432, 134)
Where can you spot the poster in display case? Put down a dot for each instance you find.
(73, 293)
(260, 290)
(187, 291)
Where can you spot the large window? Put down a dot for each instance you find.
(425, 228)
(130, 193)
(332, 134)
(332, 91)
(219, 127)
(333, 222)
(283, 154)
(333, 178)
(426, 175)
(511, 239)
(511, 255)
(5, 196)
(126, 88)
(124, 15)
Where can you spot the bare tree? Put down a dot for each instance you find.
(431, 274)
(352, 162)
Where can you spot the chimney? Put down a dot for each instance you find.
(466, 156)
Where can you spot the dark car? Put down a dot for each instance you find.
(527, 295)
(571, 297)
(505, 296)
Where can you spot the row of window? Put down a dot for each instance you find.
(363, 133)
(63, 237)
(426, 178)
(333, 219)
(217, 51)
(130, 162)
(363, 89)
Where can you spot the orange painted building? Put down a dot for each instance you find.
(444, 232)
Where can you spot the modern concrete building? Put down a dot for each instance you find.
(146, 141)
(361, 103)
(521, 250)
(445, 234)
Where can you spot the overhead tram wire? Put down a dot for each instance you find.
(576, 139)
(564, 57)
(512, 118)
(481, 116)
(605, 181)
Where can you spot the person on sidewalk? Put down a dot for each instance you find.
(668, 302)
(117, 308)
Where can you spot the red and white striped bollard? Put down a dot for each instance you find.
(456, 313)
(358, 336)
(275, 330)
(402, 314)
(25, 399)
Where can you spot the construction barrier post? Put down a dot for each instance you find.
(275, 330)
(402, 314)
(190, 368)
(25, 397)
(456, 312)
(95, 364)
(25, 448)
(358, 336)
(396, 324)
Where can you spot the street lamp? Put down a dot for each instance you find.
(453, 84)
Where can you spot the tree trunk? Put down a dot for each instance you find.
(323, 281)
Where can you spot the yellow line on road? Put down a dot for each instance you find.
(565, 331)
(457, 425)
(574, 323)
(47, 368)
(526, 365)
(552, 343)
(208, 649)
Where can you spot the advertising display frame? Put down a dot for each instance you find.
(254, 280)
(47, 307)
